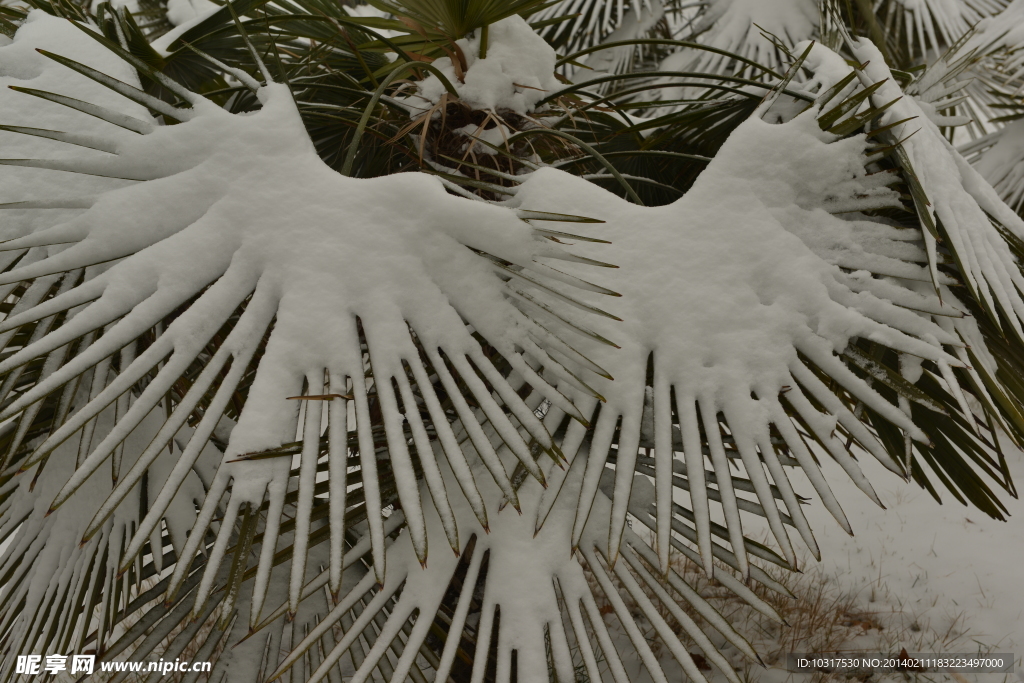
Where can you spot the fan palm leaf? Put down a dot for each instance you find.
(300, 380)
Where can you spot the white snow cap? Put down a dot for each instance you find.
(518, 72)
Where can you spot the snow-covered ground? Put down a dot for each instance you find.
(917, 575)
(947, 570)
(926, 577)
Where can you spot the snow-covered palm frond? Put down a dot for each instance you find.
(1000, 65)
(999, 39)
(709, 377)
(166, 628)
(951, 197)
(907, 32)
(219, 258)
(583, 25)
(530, 615)
(267, 387)
(745, 383)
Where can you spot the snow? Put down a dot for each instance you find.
(940, 562)
(926, 576)
(727, 287)
(730, 285)
(725, 297)
(960, 198)
(191, 13)
(268, 224)
(201, 241)
(184, 11)
(516, 74)
(916, 575)
(1004, 31)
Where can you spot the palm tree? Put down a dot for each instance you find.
(298, 297)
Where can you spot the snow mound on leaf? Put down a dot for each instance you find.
(265, 213)
(517, 73)
(723, 284)
(736, 291)
(235, 218)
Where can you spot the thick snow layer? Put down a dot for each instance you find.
(241, 210)
(249, 178)
(518, 72)
(733, 287)
(726, 283)
(729, 286)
